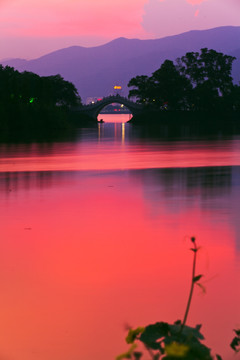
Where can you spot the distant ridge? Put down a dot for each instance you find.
(95, 70)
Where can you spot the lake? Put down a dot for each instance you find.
(95, 237)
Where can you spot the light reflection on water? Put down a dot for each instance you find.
(114, 147)
(84, 252)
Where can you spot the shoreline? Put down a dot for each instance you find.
(166, 124)
(190, 123)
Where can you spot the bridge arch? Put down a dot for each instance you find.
(112, 103)
(93, 110)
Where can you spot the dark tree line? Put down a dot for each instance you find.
(30, 88)
(31, 103)
(198, 81)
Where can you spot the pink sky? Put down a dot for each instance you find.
(30, 29)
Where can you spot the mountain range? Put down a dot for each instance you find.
(95, 70)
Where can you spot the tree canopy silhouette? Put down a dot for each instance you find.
(199, 81)
(30, 103)
(28, 87)
(171, 89)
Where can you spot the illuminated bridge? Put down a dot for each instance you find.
(92, 110)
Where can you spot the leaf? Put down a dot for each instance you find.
(235, 343)
(218, 357)
(178, 322)
(127, 354)
(133, 333)
(154, 332)
(197, 278)
(198, 351)
(237, 332)
(202, 287)
(188, 331)
(198, 327)
(176, 349)
(137, 355)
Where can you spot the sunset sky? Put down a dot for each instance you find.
(29, 29)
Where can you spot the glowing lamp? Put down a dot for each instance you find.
(116, 87)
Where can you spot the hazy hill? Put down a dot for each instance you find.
(95, 70)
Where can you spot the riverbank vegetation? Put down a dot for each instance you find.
(197, 84)
(32, 104)
(194, 95)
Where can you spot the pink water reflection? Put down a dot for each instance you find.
(84, 253)
(112, 150)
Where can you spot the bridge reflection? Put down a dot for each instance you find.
(114, 118)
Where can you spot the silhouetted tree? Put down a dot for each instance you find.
(170, 89)
(231, 101)
(28, 87)
(210, 74)
(142, 89)
(56, 90)
(199, 81)
(8, 83)
(30, 102)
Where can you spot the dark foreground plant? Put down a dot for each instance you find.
(235, 344)
(173, 341)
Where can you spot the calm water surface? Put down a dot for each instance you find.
(95, 237)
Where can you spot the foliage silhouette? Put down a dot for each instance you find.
(235, 344)
(16, 87)
(29, 103)
(171, 89)
(199, 81)
(143, 89)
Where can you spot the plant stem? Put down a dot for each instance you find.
(192, 283)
